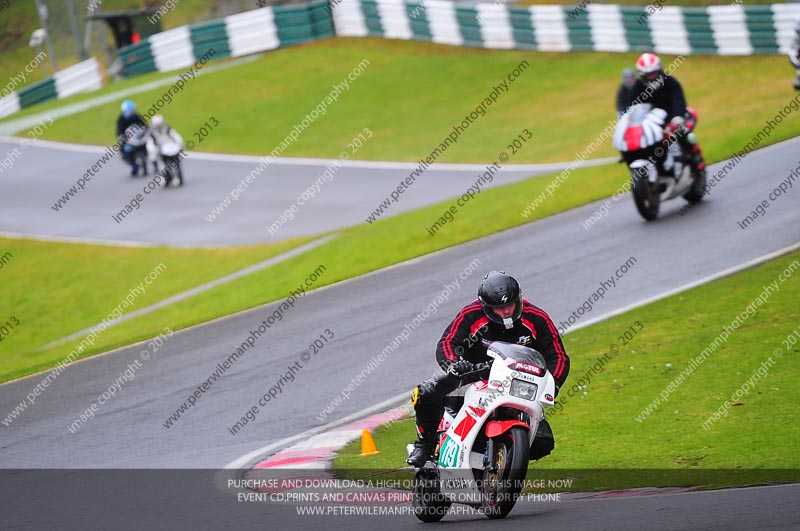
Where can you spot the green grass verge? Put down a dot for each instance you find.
(412, 93)
(601, 427)
(20, 19)
(123, 84)
(56, 289)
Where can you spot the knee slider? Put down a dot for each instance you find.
(423, 391)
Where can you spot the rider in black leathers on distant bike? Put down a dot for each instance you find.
(663, 91)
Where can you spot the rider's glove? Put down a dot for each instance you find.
(676, 123)
(460, 368)
(127, 148)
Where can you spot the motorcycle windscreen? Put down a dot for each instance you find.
(524, 358)
(170, 148)
(639, 128)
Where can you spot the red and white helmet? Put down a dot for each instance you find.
(649, 66)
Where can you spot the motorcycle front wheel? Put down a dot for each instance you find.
(179, 174)
(501, 488)
(427, 501)
(172, 169)
(644, 194)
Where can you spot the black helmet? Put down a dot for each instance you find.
(499, 289)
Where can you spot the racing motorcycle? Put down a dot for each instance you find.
(659, 167)
(134, 146)
(482, 455)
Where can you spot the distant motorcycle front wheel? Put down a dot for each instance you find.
(645, 195)
(501, 487)
(172, 169)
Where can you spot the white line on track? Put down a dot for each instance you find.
(304, 161)
(93, 241)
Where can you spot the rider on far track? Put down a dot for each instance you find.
(663, 91)
(129, 117)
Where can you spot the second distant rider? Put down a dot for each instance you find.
(625, 93)
(126, 119)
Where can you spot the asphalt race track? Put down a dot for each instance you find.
(558, 262)
(179, 217)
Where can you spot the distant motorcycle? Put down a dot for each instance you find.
(134, 148)
(483, 452)
(166, 144)
(658, 165)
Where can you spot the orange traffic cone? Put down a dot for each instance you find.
(368, 444)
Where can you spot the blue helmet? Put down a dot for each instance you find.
(128, 107)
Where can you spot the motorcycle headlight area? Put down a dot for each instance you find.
(522, 389)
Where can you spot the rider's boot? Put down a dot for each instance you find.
(423, 447)
(696, 161)
(428, 410)
(695, 155)
(543, 442)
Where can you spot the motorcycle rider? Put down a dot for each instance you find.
(498, 314)
(129, 117)
(162, 135)
(625, 91)
(663, 91)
